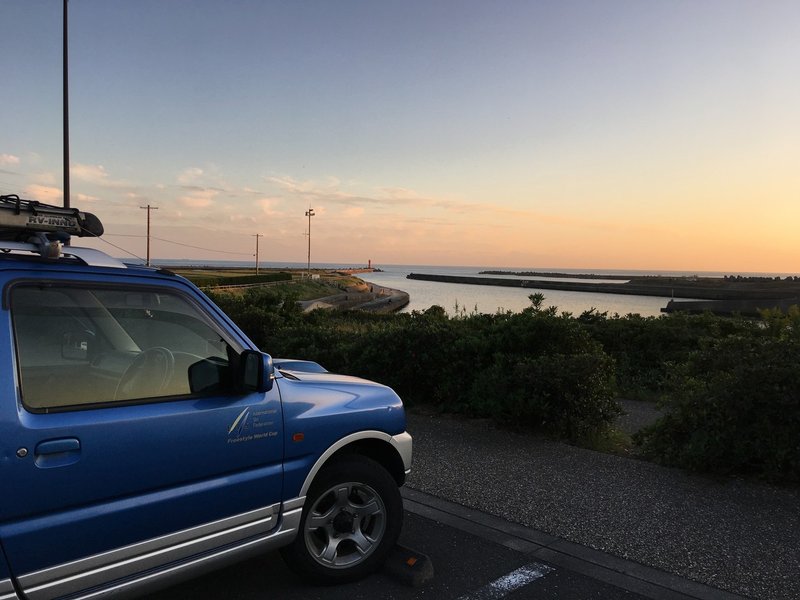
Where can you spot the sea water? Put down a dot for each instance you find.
(465, 298)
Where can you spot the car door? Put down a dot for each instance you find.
(129, 445)
(7, 591)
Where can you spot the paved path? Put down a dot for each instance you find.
(735, 535)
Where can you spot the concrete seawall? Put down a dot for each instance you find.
(378, 299)
(632, 288)
(388, 301)
(747, 308)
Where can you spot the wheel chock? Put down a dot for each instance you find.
(409, 567)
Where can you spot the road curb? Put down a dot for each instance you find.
(622, 573)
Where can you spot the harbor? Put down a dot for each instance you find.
(725, 296)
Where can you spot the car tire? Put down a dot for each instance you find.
(351, 521)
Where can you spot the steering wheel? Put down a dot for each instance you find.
(148, 375)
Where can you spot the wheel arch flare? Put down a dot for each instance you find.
(393, 452)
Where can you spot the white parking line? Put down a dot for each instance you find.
(501, 587)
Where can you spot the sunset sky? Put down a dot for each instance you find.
(562, 134)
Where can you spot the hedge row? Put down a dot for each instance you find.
(734, 405)
(730, 386)
(531, 369)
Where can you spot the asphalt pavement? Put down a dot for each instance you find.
(450, 552)
(735, 535)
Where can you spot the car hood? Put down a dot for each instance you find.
(297, 366)
(311, 372)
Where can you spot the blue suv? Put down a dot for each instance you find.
(144, 439)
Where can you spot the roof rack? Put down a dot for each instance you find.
(18, 215)
(30, 226)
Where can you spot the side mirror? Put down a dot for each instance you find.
(257, 371)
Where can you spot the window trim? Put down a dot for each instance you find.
(203, 311)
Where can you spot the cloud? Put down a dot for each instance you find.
(190, 176)
(240, 218)
(198, 198)
(195, 202)
(312, 192)
(54, 195)
(354, 212)
(202, 188)
(400, 193)
(291, 185)
(89, 173)
(331, 193)
(268, 206)
(410, 208)
(43, 193)
(9, 160)
(49, 179)
(206, 179)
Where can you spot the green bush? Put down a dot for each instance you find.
(544, 372)
(648, 349)
(734, 408)
(260, 312)
(534, 369)
(569, 395)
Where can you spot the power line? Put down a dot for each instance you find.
(105, 241)
(200, 247)
(178, 244)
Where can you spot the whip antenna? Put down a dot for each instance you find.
(66, 109)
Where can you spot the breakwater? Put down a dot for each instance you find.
(557, 274)
(727, 308)
(699, 289)
(378, 299)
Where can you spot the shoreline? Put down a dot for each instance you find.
(695, 289)
(379, 299)
(728, 296)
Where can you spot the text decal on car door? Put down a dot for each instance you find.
(249, 426)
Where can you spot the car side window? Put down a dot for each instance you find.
(82, 346)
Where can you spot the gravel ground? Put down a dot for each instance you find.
(741, 536)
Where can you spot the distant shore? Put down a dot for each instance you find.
(564, 275)
(729, 295)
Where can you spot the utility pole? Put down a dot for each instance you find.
(257, 235)
(309, 214)
(66, 110)
(148, 208)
